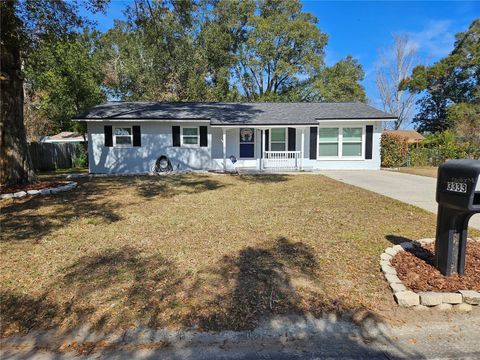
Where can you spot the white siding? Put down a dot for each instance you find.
(156, 139)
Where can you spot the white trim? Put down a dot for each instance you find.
(224, 146)
(114, 137)
(296, 126)
(352, 120)
(197, 136)
(340, 144)
(144, 120)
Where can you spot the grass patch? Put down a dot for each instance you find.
(209, 251)
(430, 171)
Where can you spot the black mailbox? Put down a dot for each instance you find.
(458, 197)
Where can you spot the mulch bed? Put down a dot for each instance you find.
(416, 269)
(33, 186)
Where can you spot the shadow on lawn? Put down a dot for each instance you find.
(24, 219)
(262, 286)
(420, 252)
(91, 200)
(143, 287)
(168, 186)
(263, 178)
(119, 288)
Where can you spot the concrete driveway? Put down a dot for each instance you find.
(410, 189)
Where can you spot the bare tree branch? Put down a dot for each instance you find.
(396, 63)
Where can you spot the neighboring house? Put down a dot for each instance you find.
(411, 136)
(64, 137)
(128, 137)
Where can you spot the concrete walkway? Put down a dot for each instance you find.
(410, 189)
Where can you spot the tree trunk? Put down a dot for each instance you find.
(15, 162)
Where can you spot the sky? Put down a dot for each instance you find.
(364, 28)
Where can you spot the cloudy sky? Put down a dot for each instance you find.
(363, 28)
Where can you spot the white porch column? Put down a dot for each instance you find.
(262, 167)
(224, 140)
(302, 149)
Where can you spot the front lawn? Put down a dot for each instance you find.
(208, 251)
(430, 171)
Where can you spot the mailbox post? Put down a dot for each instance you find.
(458, 197)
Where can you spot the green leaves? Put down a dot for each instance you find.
(340, 82)
(67, 77)
(452, 80)
(224, 50)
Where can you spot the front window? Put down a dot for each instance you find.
(247, 143)
(352, 142)
(122, 136)
(190, 136)
(328, 142)
(340, 142)
(278, 140)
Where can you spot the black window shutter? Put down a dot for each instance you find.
(267, 139)
(176, 135)
(203, 136)
(107, 130)
(369, 142)
(292, 138)
(137, 137)
(313, 142)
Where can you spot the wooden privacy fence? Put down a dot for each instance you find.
(48, 156)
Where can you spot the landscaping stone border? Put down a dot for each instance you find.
(463, 300)
(46, 191)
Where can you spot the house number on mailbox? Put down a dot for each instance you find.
(456, 187)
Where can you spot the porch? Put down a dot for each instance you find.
(273, 148)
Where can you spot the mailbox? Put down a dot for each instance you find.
(458, 197)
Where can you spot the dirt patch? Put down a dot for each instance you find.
(416, 269)
(33, 186)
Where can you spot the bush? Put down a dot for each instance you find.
(394, 151)
(80, 159)
(437, 148)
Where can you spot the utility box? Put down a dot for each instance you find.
(458, 197)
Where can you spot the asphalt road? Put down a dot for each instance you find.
(411, 189)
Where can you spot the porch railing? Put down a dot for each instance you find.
(282, 160)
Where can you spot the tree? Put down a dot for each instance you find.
(152, 54)
(15, 162)
(340, 82)
(466, 118)
(65, 78)
(25, 25)
(395, 66)
(453, 80)
(283, 45)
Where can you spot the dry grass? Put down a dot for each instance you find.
(430, 171)
(208, 251)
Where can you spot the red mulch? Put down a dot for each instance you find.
(33, 186)
(416, 269)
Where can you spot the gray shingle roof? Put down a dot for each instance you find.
(235, 113)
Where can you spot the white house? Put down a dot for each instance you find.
(128, 137)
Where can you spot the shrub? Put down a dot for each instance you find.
(437, 148)
(80, 159)
(394, 151)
